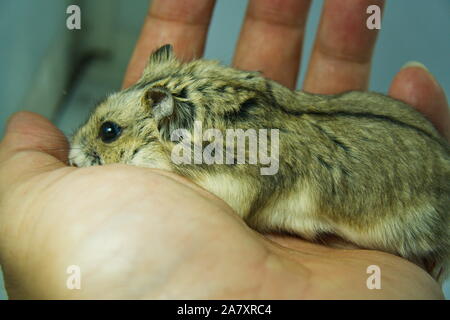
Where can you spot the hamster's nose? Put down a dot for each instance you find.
(77, 157)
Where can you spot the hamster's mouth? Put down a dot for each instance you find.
(96, 160)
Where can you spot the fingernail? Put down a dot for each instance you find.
(415, 64)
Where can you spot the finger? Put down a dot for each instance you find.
(31, 143)
(415, 85)
(184, 24)
(341, 57)
(271, 39)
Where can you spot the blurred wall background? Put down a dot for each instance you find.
(60, 73)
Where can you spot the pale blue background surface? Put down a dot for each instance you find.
(411, 30)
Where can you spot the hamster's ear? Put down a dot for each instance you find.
(161, 102)
(169, 113)
(162, 54)
(159, 60)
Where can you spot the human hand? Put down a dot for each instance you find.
(142, 233)
(138, 233)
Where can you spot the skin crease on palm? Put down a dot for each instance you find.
(138, 233)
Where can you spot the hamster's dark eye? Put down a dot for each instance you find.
(109, 131)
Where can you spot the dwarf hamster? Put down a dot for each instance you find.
(358, 165)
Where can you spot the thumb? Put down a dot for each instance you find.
(415, 85)
(31, 143)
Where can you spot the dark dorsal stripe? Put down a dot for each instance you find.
(369, 116)
(244, 111)
(361, 115)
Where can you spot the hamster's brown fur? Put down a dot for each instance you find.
(358, 165)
